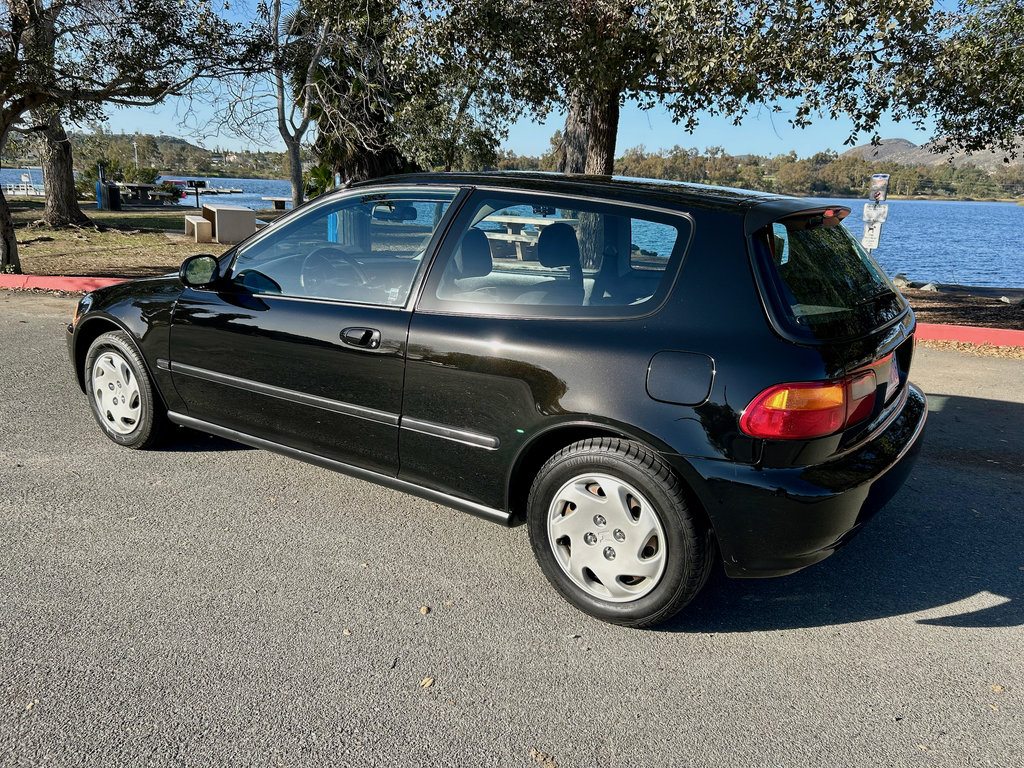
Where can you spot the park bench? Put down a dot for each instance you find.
(199, 227)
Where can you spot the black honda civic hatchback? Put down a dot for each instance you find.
(654, 377)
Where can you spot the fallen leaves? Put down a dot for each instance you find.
(426, 682)
(980, 350)
(543, 759)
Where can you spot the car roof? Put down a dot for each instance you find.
(616, 187)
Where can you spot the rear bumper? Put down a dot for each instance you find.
(771, 522)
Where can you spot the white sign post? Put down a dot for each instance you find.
(875, 213)
(879, 188)
(872, 231)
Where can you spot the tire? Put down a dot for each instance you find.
(611, 529)
(121, 393)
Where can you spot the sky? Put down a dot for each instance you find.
(762, 132)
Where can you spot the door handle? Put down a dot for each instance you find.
(364, 338)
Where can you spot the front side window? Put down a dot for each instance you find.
(529, 255)
(366, 248)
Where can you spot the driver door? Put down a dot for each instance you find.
(302, 342)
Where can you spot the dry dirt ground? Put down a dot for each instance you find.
(984, 309)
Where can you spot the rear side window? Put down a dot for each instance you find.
(820, 282)
(537, 255)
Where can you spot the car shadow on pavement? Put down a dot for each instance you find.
(945, 551)
(185, 440)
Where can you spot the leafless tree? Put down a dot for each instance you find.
(279, 89)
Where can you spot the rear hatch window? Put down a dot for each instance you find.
(819, 283)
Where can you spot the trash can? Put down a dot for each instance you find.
(102, 197)
(115, 197)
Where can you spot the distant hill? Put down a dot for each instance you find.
(908, 153)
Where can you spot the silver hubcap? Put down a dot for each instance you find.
(607, 537)
(116, 391)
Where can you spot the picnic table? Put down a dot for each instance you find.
(231, 223)
(136, 191)
(280, 203)
(516, 232)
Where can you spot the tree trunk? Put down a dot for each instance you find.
(604, 126)
(62, 207)
(9, 261)
(294, 148)
(576, 135)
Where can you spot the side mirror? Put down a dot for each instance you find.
(199, 271)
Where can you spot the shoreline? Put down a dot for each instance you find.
(985, 291)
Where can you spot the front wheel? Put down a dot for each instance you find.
(611, 529)
(121, 394)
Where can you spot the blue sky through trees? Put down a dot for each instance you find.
(762, 131)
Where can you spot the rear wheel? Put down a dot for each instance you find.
(121, 394)
(611, 529)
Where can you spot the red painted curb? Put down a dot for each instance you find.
(1000, 337)
(69, 284)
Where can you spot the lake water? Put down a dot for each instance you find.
(253, 191)
(927, 240)
(948, 241)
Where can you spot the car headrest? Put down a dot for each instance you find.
(557, 246)
(473, 257)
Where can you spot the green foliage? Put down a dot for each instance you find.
(401, 85)
(824, 174)
(318, 180)
(140, 174)
(168, 155)
(112, 170)
(168, 187)
(464, 79)
(973, 80)
(846, 57)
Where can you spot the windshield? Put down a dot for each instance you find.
(820, 282)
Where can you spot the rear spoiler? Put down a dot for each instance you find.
(766, 213)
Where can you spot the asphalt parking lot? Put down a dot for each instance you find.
(208, 604)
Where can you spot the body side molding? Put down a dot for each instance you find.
(488, 513)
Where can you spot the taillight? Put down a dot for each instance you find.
(808, 409)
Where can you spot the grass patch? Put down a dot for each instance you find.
(128, 243)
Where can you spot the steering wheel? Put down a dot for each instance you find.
(318, 267)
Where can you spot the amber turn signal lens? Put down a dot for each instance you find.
(803, 410)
